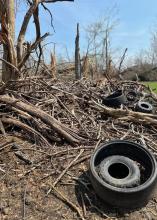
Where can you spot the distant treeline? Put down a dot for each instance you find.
(145, 72)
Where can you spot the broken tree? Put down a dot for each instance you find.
(15, 58)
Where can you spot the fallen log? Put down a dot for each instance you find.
(61, 129)
(145, 118)
(15, 122)
(37, 125)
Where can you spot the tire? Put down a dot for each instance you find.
(129, 198)
(115, 99)
(120, 171)
(131, 96)
(144, 107)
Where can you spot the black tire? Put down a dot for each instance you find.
(144, 107)
(115, 99)
(131, 96)
(120, 171)
(129, 198)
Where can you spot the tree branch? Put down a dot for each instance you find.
(50, 15)
(38, 34)
(10, 65)
(53, 1)
(24, 26)
(30, 49)
(65, 132)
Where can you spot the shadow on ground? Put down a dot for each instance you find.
(86, 195)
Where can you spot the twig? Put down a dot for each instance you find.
(65, 107)
(83, 206)
(66, 169)
(5, 145)
(25, 127)
(82, 159)
(96, 146)
(96, 208)
(33, 168)
(66, 200)
(2, 170)
(64, 131)
(23, 157)
(80, 181)
(24, 207)
(2, 128)
(11, 65)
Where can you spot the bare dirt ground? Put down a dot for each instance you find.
(27, 182)
(25, 189)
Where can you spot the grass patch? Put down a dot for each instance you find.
(152, 85)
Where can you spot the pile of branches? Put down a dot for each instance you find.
(66, 112)
(55, 116)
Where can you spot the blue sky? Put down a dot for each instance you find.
(136, 18)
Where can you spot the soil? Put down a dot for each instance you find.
(24, 187)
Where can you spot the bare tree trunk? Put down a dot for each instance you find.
(106, 52)
(121, 62)
(11, 17)
(53, 64)
(7, 72)
(77, 55)
(15, 58)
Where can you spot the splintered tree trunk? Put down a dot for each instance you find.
(11, 17)
(8, 8)
(15, 59)
(85, 67)
(53, 66)
(77, 56)
(53, 63)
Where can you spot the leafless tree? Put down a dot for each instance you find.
(77, 55)
(99, 43)
(16, 57)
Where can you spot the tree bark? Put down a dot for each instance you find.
(25, 127)
(8, 8)
(17, 58)
(77, 55)
(65, 132)
(11, 17)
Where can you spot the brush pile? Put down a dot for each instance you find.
(71, 111)
(49, 131)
